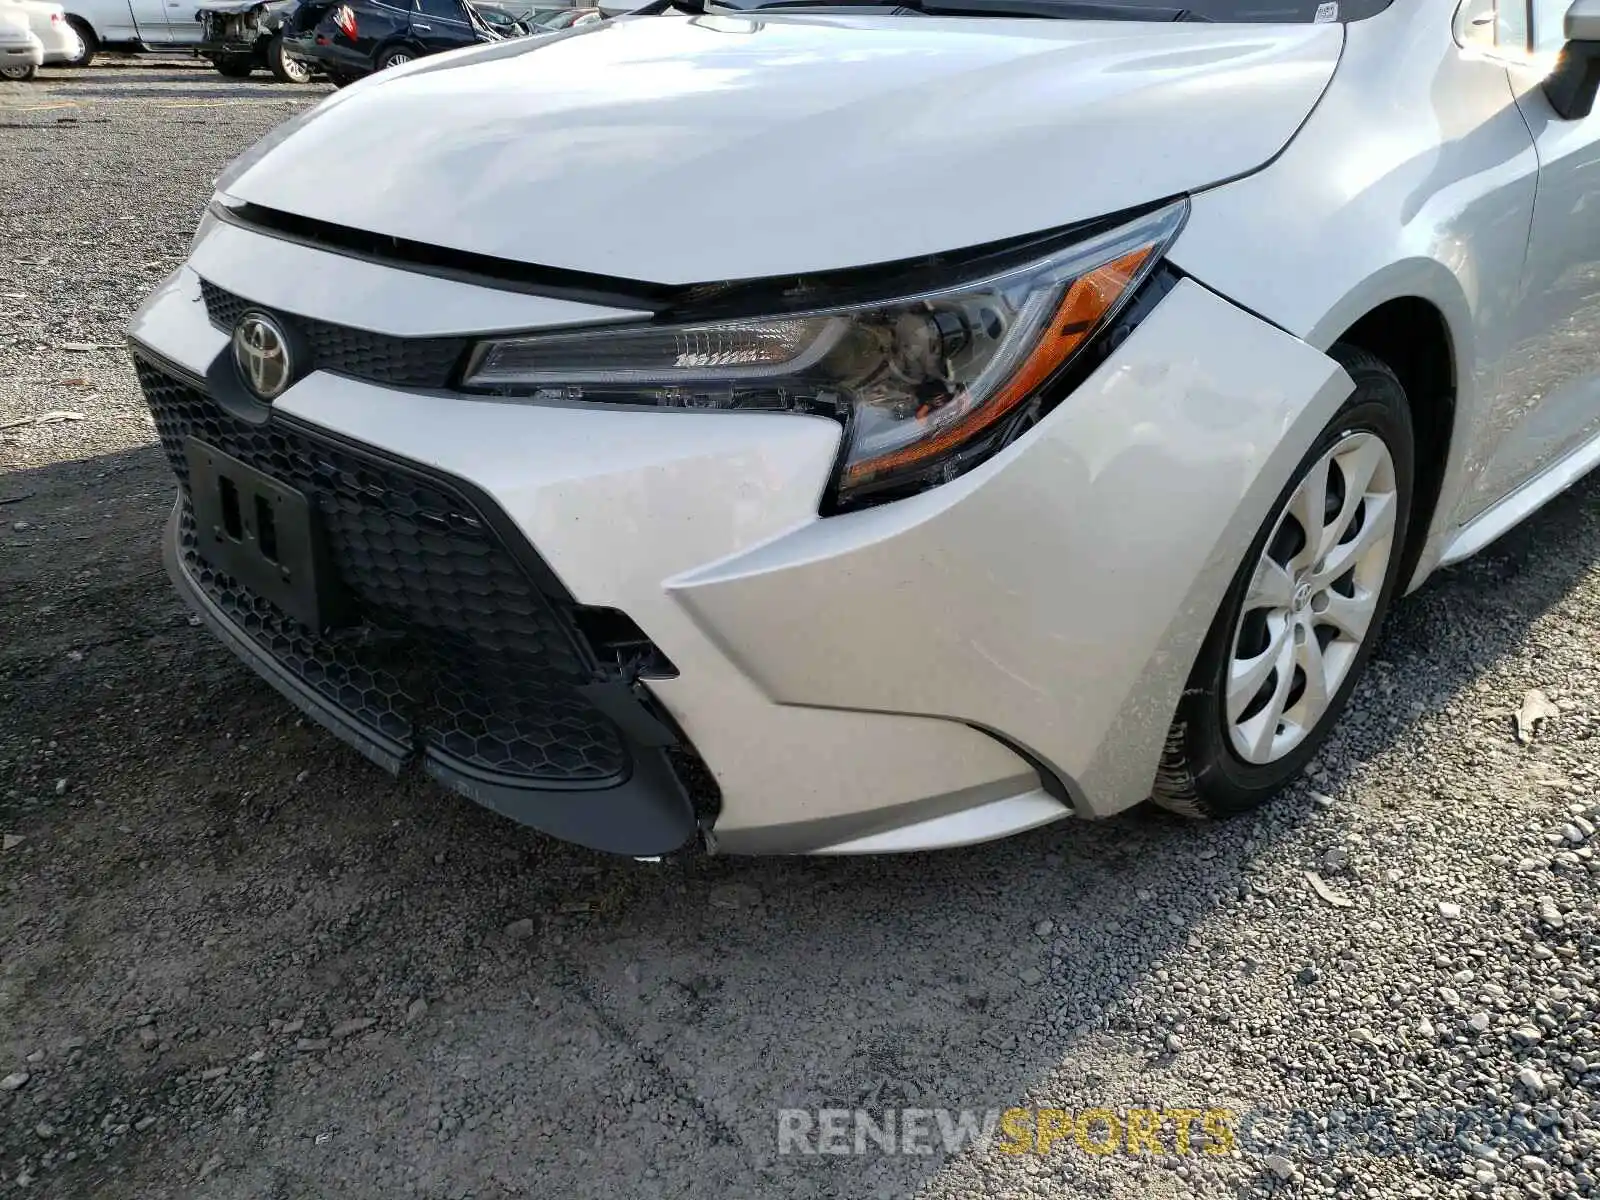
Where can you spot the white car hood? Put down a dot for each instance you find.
(676, 150)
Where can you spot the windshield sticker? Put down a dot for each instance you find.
(1325, 13)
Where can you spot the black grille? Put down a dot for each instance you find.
(359, 353)
(456, 644)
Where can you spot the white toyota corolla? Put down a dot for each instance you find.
(839, 428)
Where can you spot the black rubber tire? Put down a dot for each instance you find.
(19, 74)
(234, 66)
(285, 69)
(1200, 775)
(91, 44)
(386, 59)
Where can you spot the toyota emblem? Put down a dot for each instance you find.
(261, 352)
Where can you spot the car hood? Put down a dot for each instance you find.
(680, 150)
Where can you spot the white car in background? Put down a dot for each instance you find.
(58, 40)
(132, 25)
(20, 51)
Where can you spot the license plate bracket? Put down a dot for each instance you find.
(265, 534)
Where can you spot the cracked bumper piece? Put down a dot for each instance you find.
(646, 815)
(457, 658)
(985, 657)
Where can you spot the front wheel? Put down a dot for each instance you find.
(19, 74)
(284, 67)
(1298, 623)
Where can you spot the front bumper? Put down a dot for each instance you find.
(960, 665)
(456, 661)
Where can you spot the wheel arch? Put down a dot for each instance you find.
(80, 22)
(1417, 318)
(1412, 336)
(400, 41)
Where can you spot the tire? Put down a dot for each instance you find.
(1218, 763)
(284, 68)
(91, 44)
(18, 74)
(395, 56)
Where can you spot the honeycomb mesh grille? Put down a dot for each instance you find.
(455, 646)
(359, 353)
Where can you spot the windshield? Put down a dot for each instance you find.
(1288, 12)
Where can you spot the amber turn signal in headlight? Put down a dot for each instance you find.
(926, 385)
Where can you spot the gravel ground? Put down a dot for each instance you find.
(235, 961)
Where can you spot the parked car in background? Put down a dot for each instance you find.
(517, 20)
(132, 25)
(538, 15)
(21, 51)
(502, 21)
(48, 22)
(348, 39)
(572, 17)
(241, 36)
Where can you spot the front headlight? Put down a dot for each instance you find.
(926, 385)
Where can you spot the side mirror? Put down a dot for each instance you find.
(1572, 86)
(1583, 21)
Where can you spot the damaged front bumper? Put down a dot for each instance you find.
(451, 661)
(985, 657)
(236, 29)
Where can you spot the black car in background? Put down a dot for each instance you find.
(350, 38)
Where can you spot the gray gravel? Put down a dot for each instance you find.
(238, 962)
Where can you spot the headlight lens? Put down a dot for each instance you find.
(926, 385)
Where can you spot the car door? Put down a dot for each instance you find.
(438, 25)
(150, 21)
(183, 25)
(1549, 396)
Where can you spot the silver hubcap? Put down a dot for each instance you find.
(1311, 599)
(399, 60)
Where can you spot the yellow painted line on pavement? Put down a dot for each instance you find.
(216, 103)
(148, 103)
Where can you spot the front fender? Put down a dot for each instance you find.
(1058, 594)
